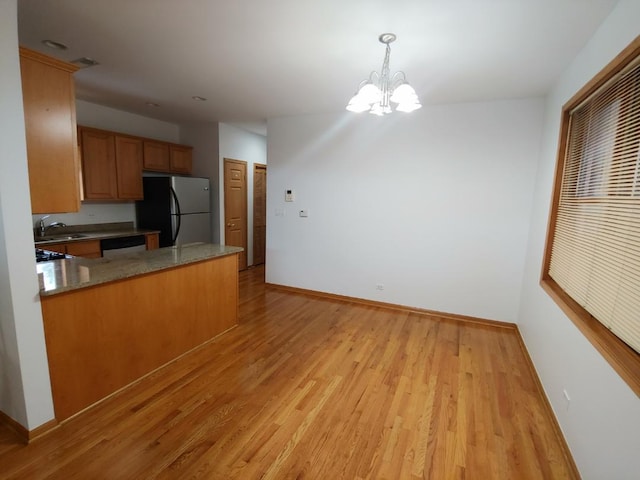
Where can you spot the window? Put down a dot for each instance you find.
(592, 259)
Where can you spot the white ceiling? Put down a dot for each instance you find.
(257, 59)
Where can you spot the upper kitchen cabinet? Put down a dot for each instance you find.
(111, 165)
(50, 126)
(167, 157)
(180, 159)
(98, 152)
(129, 156)
(156, 156)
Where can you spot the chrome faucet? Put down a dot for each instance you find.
(41, 226)
(43, 229)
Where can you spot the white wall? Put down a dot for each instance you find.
(432, 205)
(240, 144)
(25, 392)
(91, 213)
(203, 137)
(98, 116)
(602, 421)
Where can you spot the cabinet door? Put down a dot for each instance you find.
(129, 167)
(152, 241)
(98, 164)
(50, 126)
(58, 247)
(87, 249)
(180, 157)
(156, 156)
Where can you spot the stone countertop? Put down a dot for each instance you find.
(58, 276)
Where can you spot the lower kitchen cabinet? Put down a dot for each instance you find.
(58, 247)
(92, 249)
(97, 343)
(152, 241)
(87, 249)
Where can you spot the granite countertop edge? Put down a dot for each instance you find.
(60, 276)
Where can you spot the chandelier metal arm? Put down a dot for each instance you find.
(398, 78)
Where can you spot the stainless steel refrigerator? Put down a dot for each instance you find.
(177, 206)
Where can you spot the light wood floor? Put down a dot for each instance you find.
(313, 388)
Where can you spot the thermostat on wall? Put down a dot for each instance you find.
(289, 196)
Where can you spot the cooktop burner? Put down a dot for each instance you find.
(46, 255)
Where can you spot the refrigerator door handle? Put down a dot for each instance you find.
(178, 215)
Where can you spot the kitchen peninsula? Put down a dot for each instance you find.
(110, 321)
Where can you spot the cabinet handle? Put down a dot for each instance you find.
(231, 224)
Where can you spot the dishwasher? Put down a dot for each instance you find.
(112, 247)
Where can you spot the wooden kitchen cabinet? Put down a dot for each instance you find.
(111, 165)
(91, 248)
(86, 249)
(48, 94)
(129, 156)
(167, 157)
(180, 159)
(58, 247)
(98, 151)
(156, 156)
(97, 342)
(152, 241)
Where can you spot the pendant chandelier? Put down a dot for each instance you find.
(377, 92)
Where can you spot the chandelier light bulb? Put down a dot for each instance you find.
(404, 93)
(369, 93)
(408, 107)
(356, 105)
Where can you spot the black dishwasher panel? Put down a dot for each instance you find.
(122, 242)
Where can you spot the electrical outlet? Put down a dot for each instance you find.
(379, 286)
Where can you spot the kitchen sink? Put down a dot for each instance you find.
(68, 236)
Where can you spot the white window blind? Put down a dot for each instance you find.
(595, 254)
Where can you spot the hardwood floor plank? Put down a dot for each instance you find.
(312, 387)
